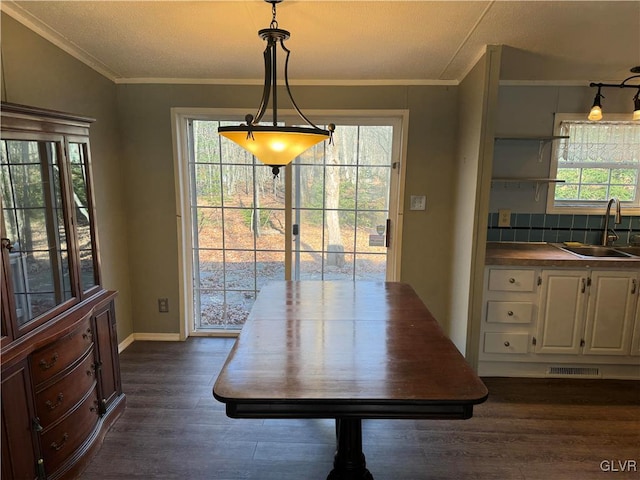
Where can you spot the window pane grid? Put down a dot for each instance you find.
(598, 161)
(233, 196)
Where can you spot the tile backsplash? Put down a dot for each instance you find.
(540, 227)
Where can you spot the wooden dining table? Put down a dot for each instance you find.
(347, 351)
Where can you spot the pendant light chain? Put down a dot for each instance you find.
(274, 22)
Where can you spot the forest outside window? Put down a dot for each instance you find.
(598, 161)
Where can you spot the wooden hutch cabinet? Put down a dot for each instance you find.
(61, 387)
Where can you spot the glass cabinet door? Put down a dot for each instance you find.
(79, 165)
(35, 226)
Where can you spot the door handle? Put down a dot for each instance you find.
(387, 240)
(6, 243)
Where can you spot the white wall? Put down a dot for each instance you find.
(476, 106)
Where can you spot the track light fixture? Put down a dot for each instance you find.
(275, 145)
(596, 109)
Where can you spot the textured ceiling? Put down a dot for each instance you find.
(342, 41)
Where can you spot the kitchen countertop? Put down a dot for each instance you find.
(533, 254)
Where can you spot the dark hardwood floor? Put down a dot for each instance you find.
(529, 429)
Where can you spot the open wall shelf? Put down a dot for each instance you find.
(537, 181)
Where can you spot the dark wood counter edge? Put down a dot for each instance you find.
(67, 321)
(537, 254)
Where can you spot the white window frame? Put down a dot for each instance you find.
(582, 207)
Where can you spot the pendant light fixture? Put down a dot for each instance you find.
(596, 110)
(275, 145)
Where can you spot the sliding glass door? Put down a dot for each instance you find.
(325, 217)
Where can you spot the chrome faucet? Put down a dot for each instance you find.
(609, 237)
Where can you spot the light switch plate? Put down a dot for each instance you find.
(418, 202)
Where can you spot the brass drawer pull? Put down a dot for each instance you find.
(58, 446)
(88, 335)
(506, 344)
(44, 365)
(52, 406)
(510, 313)
(512, 280)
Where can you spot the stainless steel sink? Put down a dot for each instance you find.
(630, 249)
(597, 251)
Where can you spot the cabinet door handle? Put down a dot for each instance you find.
(36, 424)
(506, 344)
(510, 313)
(633, 286)
(512, 280)
(584, 285)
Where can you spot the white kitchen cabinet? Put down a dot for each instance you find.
(587, 311)
(610, 313)
(510, 309)
(561, 317)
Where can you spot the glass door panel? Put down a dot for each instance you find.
(34, 223)
(238, 227)
(79, 165)
(341, 206)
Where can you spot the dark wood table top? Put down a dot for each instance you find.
(341, 349)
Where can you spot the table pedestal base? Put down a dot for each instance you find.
(349, 462)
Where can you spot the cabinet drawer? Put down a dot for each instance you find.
(59, 442)
(56, 400)
(509, 312)
(511, 280)
(48, 361)
(506, 342)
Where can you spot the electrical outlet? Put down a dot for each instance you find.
(163, 305)
(504, 218)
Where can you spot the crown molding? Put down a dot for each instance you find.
(320, 83)
(544, 83)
